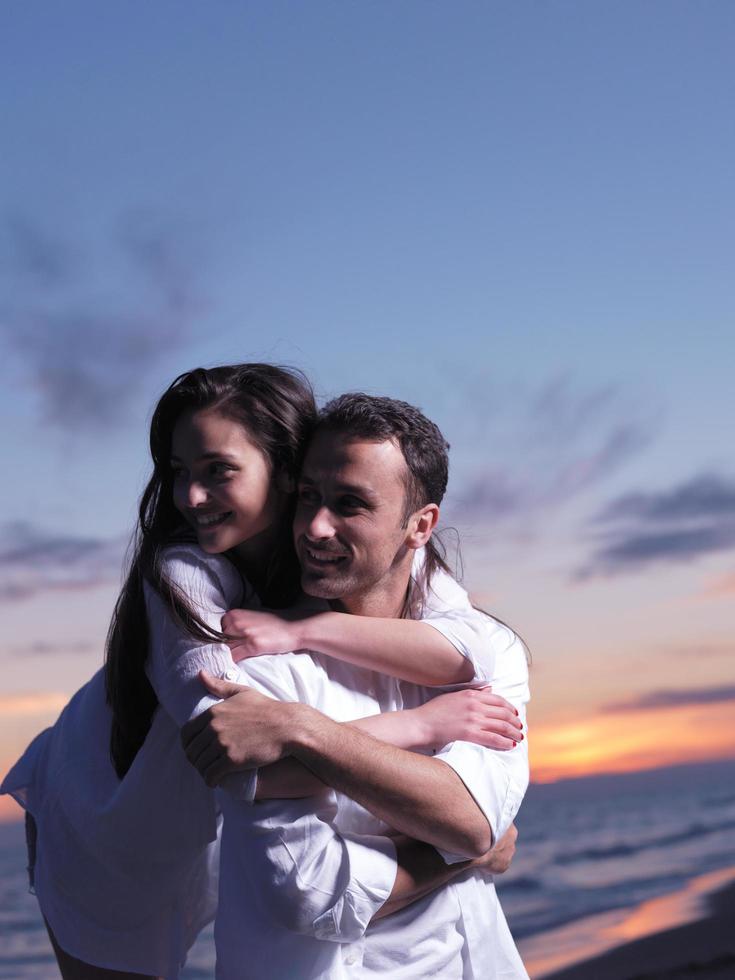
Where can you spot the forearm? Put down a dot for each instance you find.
(421, 870)
(287, 780)
(290, 779)
(404, 648)
(418, 796)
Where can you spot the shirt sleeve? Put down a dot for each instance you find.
(447, 607)
(497, 780)
(311, 878)
(211, 585)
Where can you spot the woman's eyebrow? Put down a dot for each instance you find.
(205, 456)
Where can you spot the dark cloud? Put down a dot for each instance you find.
(86, 368)
(33, 561)
(34, 255)
(86, 352)
(676, 525)
(705, 496)
(673, 699)
(556, 443)
(41, 648)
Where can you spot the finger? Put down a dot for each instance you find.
(492, 740)
(495, 715)
(198, 745)
(217, 770)
(220, 688)
(192, 728)
(209, 757)
(485, 694)
(506, 729)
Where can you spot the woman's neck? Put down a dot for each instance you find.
(254, 557)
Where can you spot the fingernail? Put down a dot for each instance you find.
(522, 736)
(516, 710)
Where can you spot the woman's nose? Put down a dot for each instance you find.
(196, 494)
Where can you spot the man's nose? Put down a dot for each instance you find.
(321, 525)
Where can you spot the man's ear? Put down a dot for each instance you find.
(421, 524)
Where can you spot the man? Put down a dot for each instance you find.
(316, 887)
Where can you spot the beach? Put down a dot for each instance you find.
(703, 949)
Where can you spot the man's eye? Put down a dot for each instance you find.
(307, 496)
(351, 503)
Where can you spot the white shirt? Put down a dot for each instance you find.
(301, 879)
(126, 870)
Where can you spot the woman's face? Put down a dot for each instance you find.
(223, 484)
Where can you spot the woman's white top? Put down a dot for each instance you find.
(126, 869)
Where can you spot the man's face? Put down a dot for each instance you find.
(348, 527)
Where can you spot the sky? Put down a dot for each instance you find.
(517, 216)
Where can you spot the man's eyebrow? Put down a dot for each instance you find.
(356, 489)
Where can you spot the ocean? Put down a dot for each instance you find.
(585, 847)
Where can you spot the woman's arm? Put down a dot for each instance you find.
(477, 716)
(405, 648)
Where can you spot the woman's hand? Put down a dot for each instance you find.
(258, 633)
(473, 715)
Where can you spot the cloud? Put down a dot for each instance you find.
(41, 648)
(85, 347)
(20, 705)
(721, 587)
(708, 495)
(35, 256)
(33, 561)
(547, 446)
(673, 699)
(678, 525)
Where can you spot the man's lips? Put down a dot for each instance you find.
(320, 557)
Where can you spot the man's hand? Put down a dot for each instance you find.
(498, 859)
(244, 731)
(258, 632)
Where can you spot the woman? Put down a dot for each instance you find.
(126, 853)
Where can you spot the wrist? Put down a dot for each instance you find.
(307, 731)
(420, 730)
(308, 633)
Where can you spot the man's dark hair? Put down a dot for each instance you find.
(424, 448)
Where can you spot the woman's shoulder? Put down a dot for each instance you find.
(200, 575)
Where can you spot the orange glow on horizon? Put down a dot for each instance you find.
(633, 740)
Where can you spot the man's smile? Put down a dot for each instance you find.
(320, 557)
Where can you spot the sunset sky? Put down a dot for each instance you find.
(518, 216)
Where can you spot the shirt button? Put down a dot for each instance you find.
(230, 674)
(350, 959)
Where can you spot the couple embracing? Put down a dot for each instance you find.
(366, 783)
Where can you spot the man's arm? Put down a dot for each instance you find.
(421, 870)
(421, 797)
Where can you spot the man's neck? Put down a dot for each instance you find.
(386, 599)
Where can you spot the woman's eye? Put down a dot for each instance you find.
(220, 469)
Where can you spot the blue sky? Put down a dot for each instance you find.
(519, 216)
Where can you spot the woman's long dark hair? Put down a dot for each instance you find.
(276, 407)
